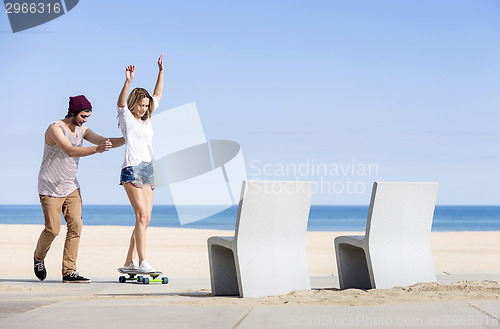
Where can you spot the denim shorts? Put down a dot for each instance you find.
(139, 175)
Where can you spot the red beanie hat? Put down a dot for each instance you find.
(78, 103)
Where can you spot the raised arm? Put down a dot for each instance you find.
(55, 135)
(159, 82)
(129, 74)
(96, 139)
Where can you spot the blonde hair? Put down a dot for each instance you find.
(135, 97)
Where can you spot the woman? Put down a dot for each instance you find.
(137, 177)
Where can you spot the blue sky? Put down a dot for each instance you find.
(397, 90)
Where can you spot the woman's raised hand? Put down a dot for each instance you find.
(160, 63)
(129, 72)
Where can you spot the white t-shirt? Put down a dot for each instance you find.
(138, 136)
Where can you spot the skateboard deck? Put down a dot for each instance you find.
(134, 275)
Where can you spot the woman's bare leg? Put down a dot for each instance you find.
(141, 200)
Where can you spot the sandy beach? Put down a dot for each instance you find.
(183, 253)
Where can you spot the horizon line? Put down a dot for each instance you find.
(317, 204)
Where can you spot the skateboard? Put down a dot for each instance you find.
(134, 275)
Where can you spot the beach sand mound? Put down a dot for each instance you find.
(464, 291)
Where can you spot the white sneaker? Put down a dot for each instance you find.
(145, 267)
(133, 266)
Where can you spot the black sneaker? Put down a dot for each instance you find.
(74, 277)
(40, 271)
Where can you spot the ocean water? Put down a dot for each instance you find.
(321, 218)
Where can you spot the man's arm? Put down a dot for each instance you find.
(159, 82)
(129, 75)
(55, 135)
(96, 139)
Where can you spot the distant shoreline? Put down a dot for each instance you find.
(313, 205)
(321, 218)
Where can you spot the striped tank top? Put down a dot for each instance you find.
(57, 177)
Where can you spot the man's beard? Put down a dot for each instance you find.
(73, 121)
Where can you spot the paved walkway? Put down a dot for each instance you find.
(183, 303)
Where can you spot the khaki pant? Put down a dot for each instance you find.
(71, 207)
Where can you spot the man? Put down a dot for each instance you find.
(58, 187)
